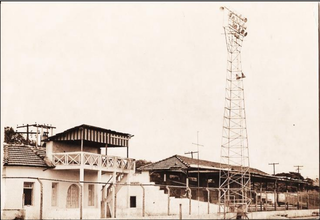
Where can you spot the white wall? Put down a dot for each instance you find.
(14, 192)
(156, 201)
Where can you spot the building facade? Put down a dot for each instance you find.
(69, 177)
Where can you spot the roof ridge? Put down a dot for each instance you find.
(153, 163)
(182, 161)
(45, 159)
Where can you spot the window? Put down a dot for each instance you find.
(133, 202)
(54, 194)
(73, 196)
(28, 193)
(91, 195)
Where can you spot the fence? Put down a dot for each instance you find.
(153, 200)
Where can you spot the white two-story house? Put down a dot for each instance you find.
(70, 177)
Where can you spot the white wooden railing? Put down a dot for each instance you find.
(92, 160)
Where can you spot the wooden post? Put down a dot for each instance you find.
(256, 201)
(275, 200)
(308, 200)
(298, 200)
(260, 196)
(180, 211)
(287, 202)
(189, 196)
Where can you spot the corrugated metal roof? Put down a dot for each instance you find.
(94, 135)
(23, 155)
(93, 128)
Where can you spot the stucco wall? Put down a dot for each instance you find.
(156, 201)
(14, 192)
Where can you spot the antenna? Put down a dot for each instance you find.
(234, 181)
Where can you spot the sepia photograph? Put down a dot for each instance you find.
(159, 110)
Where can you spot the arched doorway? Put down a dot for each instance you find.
(73, 196)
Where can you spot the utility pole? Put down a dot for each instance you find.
(192, 152)
(298, 168)
(36, 126)
(198, 166)
(26, 132)
(274, 167)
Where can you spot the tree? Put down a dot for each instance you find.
(292, 175)
(12, 137)
(140, 163)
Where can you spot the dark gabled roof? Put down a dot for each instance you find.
(182, 162)
(24, 155)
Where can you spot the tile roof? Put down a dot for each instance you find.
(182, 162)
(24, 155)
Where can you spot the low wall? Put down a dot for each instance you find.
(288, 213)
(13, 213)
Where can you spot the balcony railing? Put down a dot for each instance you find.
(74, 160)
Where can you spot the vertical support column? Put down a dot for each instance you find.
(287, 202)
(168, 199)
(114, 181)
(41, 199)
(219, 200)
(187, 182)
(260, 196)
(297, 200)
(98, 191)
(81, 199)
(81, 186)
(189, 196)
(143, 200)
(266, 201)
(127, 152)
(208, 200)
(275, 200)
(180, 211)
(256, 205)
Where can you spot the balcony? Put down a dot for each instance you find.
(91, 161)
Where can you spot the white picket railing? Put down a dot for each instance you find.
(92, 160)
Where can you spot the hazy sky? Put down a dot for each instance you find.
(157, 71)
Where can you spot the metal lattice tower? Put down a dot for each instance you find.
(234, 182)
